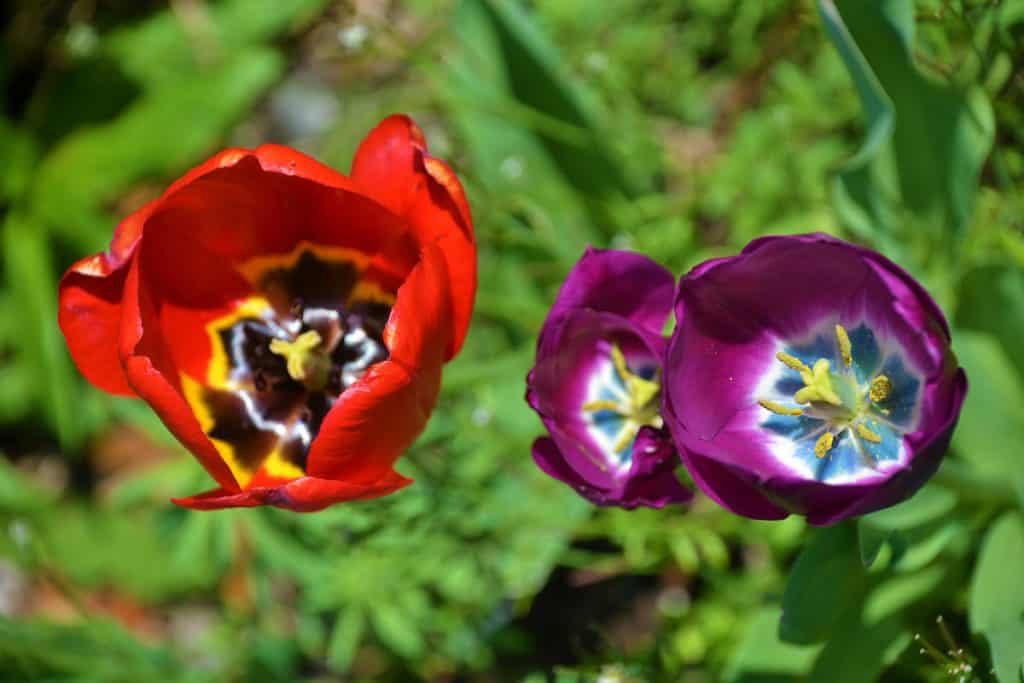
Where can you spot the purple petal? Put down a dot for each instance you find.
(572, 351)
(620, 282)
(788, 294)
(652, 481)
(551, 461)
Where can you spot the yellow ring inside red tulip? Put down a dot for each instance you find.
(262, 406)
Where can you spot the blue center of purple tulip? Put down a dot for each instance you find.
(838, 403)
(620, 401)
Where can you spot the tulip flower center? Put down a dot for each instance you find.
(627, 402)
(282, 358)
(839, 396)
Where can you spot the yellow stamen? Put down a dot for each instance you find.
(619, 361)
(303, 362)
(845, 347)
(867, 434)
(824, 444)
(780, 409)
(793, 362)
(627, 434)
(641, 391)
(638, 408)
(881, 388)
(599, 405)
(819, 386)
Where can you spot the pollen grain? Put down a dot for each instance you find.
(824, 444)
(845, 347)
(881, 388)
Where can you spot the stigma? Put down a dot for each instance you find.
(304, 360)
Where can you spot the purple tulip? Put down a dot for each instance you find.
(810, 376)
(597, 383)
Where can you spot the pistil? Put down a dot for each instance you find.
(306, 362)
(640, 408)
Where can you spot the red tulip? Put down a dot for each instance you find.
(287, 323)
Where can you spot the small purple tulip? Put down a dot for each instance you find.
(810, 376)
(597, 383)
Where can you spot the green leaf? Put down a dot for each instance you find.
(924, 545)
(991, 300)
(857, 653)
(521, 182)
(870, 539)
(396, 630)
(87, 652)
(826, 581)
(556, 107)
(345, 639)
(931, 503)
(160, 135)
(1006, 642)
(17, 158)
(26, 259)
(762, 658)
(16, 384)
(169, 47)
(991, 426)
(926, 141)
(995, 607)
(18, 493)
(900, 591)
(892, 525)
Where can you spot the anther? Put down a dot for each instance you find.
(793, 363)
(619, 361)
(845, 347)
(780, 409)
(881, 388)
(867, 434)
(824, 444)
(599, 405)
(627, 435)
(642, 392)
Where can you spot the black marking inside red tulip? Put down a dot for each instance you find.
(314, 281)
(266, 406)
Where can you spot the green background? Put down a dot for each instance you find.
(679, 129)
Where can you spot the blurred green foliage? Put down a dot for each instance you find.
(680, 129)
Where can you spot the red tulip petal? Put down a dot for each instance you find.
(230, 221)
(393, 167)
(151, 373)
(89, 306)
(286, 160)
(305, 494)
(380, 416)
(189, 343)
(89, 316)
(385, 165)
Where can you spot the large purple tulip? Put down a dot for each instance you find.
(597, 383)
(810, 376)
